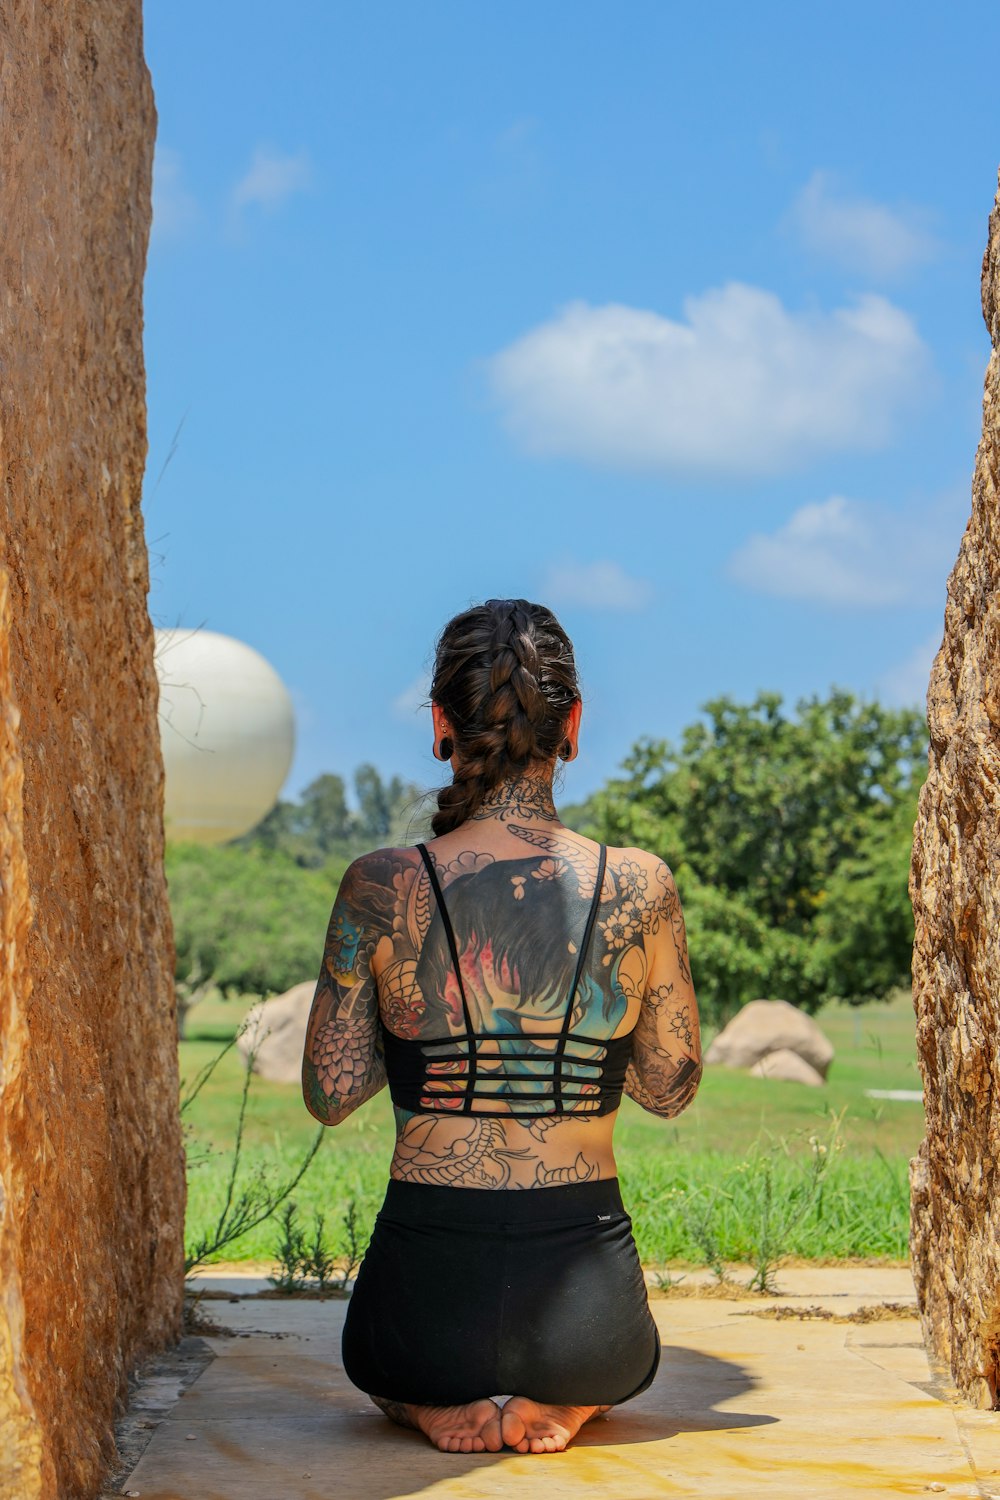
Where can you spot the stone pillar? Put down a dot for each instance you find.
(955, 889)
(91, 1163)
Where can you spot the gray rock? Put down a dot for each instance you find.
(277, 1028)
(764, 1026)
(788, 1065)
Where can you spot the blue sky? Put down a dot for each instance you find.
(667, 316)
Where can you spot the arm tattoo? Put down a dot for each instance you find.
(667, 1083)
(342, 1063)
(344, 1054)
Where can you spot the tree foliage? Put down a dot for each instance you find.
(790, 841)
(251, 915)
(248, 919)
(322, 825)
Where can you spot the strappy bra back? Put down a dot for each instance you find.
(523, 1074)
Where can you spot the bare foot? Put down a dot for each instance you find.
(474, 1428)
(529, 1427)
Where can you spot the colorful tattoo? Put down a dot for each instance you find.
(387, 963)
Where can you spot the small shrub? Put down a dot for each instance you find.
(289, 1252)
(306, 1261)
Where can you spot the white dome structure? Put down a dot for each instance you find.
(227, 729)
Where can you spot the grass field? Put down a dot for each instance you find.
(735, 1178)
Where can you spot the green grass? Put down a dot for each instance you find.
(734, 1173)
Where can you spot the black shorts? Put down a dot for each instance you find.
(472, 1292)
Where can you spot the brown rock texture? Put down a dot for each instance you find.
(955, 889)
(91, 1163)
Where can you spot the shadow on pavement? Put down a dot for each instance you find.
(684, 1397)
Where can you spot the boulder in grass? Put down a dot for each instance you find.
(764, 1026)
(277, 1028)
(788, 1065)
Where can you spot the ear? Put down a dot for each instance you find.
(441, 724)
(442, 733)
(572, 731)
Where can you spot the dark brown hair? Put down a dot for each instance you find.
(505, 676)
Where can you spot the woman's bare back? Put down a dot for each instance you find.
(518, 886)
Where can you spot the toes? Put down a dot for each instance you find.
(513, 1430)
(492, 1436)
(461, 1442)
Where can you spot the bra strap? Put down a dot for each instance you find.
(449, 932)
(588, 934)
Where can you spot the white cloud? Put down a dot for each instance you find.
(907, 682)
(174, 208)
(858, 233)
(596, 585)
(412, 699)
(851, 555)
(272, 177)
(741, 386)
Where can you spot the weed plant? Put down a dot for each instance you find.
(247, 1201)
(307, 1262)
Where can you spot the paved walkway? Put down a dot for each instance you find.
(742, 1405)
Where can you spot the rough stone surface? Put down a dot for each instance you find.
(787, 1065)
(91, 1164)
(955, 889)
(764, 1026)
(276, 1034)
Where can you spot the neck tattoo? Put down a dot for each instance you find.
(519, 797)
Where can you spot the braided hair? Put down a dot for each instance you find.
(505, 676)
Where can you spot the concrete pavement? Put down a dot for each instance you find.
(743, 1405)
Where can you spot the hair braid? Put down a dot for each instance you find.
(505, 676)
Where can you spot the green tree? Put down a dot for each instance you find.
(251, 915)
(248, 919)
(864, 926)
(374, 813)
(409, 814)
(760, 810)
(322, 826)
(736, 956)
(325, 818)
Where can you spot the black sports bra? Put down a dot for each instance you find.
(523, 1074)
